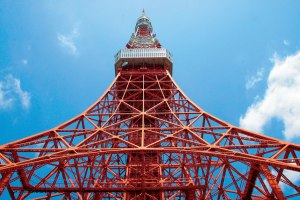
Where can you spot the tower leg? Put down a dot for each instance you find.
(4, 181)
(190, 194)
(276, 190)
(253, 173)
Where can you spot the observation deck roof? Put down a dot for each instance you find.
(143, 49)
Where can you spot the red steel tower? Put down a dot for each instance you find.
(145, 139)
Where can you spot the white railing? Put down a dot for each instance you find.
(143, 53)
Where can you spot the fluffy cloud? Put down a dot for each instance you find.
(253, 80)
(67, 42)
(24, 61)
(11, 91)
(281, 99)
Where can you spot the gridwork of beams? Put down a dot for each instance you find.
(144, 139)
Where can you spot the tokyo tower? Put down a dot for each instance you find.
(144, 139)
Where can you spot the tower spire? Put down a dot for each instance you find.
(143, 36)
(143, 12)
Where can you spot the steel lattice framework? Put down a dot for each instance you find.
(145, 139)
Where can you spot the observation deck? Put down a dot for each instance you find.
(142, 57)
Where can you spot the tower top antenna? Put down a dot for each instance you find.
(143, 12)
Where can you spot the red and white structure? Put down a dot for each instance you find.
(145, 139)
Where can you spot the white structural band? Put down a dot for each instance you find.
(143, 53)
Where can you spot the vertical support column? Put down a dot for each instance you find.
(143, 114)
(96, 196)
(276, 190)
(4, 181)
(253, 173)
(190, 194)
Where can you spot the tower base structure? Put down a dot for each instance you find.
(144, 139)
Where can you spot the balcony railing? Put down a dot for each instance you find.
(143, 53)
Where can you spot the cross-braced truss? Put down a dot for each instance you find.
(144, 139)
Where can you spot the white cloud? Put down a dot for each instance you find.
(281, 99)
(286, 42)
(5, 101)
(24, 61)
(253, 80)
(10, 91)
(67, 41)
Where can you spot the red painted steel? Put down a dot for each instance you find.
(145, 139)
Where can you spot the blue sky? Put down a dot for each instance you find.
(238, 60)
